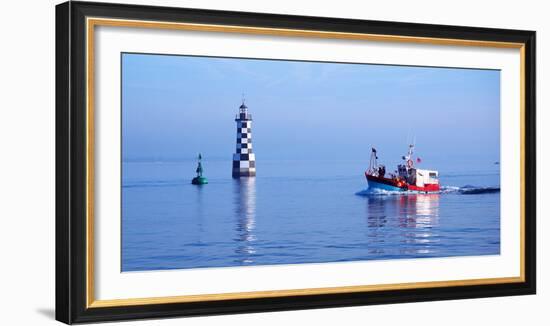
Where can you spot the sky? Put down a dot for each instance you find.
(176, 106)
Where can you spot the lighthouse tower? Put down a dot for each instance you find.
(244, 160)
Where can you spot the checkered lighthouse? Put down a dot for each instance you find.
(244, 160)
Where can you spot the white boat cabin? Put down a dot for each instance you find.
(424, 177)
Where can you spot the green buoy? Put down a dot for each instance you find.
(199, 179)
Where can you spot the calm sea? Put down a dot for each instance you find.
(296, 212)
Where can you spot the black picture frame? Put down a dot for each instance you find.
(71, 158)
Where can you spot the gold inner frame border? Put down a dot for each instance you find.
(92, 22)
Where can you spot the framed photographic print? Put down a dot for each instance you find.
(214, 162)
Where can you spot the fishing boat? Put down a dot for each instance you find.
(407, 178)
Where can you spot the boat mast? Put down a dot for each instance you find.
(409, 163)
(410, 153)
(373, 164)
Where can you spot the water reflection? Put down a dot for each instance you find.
(377, 212)
(245, 213)
(199, 210)
(408, 223)
(418, 211)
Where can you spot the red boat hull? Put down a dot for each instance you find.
(398, 185)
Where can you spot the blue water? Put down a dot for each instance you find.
(297, 212)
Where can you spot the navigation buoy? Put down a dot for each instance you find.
(199, 179)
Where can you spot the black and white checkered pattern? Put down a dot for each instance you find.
(244, 160)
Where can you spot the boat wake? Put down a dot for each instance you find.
(464, 190)
(473, 190)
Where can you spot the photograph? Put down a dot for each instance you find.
(234, 162)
